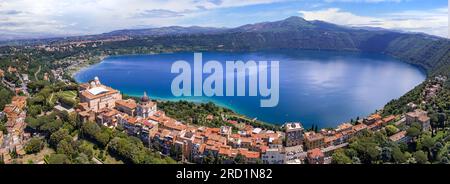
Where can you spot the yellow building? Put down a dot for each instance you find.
(98, 96)
(313, 140)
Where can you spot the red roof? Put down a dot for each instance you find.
(389, 118)
(315, 153)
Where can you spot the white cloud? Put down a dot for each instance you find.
(96, 16)
(434, 21)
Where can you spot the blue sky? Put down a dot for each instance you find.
(75, 17)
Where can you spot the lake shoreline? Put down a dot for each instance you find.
(228, 104)
(85, 66)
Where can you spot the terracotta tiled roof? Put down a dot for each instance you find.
(263, 148)
(359, 127)
(424, 118)
(389, 118)
(398, 136)
(19, 101)
(315, 153)
(248, 154)
(312, 136)
(375, 116)
(130, 104)
(344, 126)
(172, 124)
(331, 138)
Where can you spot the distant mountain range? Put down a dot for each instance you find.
(429, 52)
(289, 24)
(172, 30)
(7, 35)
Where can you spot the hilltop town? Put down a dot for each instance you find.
(98, 106)
(49, 118)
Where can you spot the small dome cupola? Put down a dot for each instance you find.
(97, 80)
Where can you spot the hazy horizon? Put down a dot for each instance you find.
(48, 18)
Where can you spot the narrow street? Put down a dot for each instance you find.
(37, 72)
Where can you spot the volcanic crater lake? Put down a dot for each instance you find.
(324, 88)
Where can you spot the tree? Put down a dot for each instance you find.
(90, 129)
(3, 128)
(58, 136)
(416, 125)
(444, 160)
(386, 154)
(441, 119)
(34, 110)
(367, 149)
(339, 157)
(82, 159)
(6, 96)
(176, 152)
(34, 146)
(65, 147)
(67, 102)
(33, 123)
(13, 153)
(420, 157)
(131, 150)
(435, 150)
(3, 120)
(52, 126)
(398, 156)
(433, 120)
(427, 142)
(391, 130)
(102, 138)
(413, 132)
(351, 152)
(356, 160)
(239, 159)
(58, 159)
(63, 115)
(86, 150)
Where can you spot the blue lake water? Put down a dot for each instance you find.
(316, 87)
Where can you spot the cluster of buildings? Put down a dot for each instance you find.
(192, 143)
(24, 79)
(6, 83)
(82, 43)
(317, 147)
(104, 105)
(15, 138)
(417, 115)
(58, 74)
(433, 87)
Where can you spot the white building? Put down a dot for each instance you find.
(146, 107)
(274, 155)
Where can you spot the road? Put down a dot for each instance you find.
(96, 160)
(8, 84)
(23, 85)
(35, 74)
